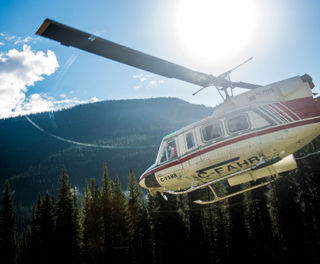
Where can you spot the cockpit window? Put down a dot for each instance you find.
(172, 149)
(163, 155)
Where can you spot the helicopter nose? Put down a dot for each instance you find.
(142, 181)
(149, 181)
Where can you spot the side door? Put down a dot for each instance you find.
(246, 147)
(212, 133)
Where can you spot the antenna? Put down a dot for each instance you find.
(223, 80)
(227, 73)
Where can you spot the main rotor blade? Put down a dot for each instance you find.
(69, 36)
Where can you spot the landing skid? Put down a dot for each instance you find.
(217, 198)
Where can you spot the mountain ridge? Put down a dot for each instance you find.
(32, 160)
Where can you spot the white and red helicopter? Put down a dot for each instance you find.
(249, 137)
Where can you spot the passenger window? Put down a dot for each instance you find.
(172, 149)
(163, 155)
(238, 123)
(190, 140)
(211, 131)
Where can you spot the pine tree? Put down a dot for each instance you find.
(36, 250)
(106, 204)
(120, 222)
(137, 221)
(34, 236)
(77, 228)
(24, 247)
(47, 228)
(42, 231)
(135, 204)
(85, 224)
(66, 233)
(93, 225)
(7, 227)
(154, 207)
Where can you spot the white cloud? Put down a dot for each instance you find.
(65, 103)
(141, 77)
(146, 81)
(155, 82)
(21, 40)
(37, 103)
(12, 39)
(6, 37)
(94, 99)
(33, 104)
(18, 71)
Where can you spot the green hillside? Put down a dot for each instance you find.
(32, 160)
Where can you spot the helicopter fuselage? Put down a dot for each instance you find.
(267, 125)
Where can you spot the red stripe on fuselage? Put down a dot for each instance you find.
(304, 107)
(282, 114)
(287, 111)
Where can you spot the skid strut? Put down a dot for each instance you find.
(217, 198)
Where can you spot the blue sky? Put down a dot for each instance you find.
(281, 35)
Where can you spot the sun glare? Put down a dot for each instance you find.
(216, 30)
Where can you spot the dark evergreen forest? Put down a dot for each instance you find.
(113, 221)
(275, 224)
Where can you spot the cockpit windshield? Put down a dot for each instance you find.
(168, 150)
(163, 155)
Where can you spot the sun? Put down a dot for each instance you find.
(216, 30)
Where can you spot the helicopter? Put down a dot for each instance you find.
(249, 138)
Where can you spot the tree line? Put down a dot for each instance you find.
(277, 223)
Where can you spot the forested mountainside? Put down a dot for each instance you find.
(32, 160)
